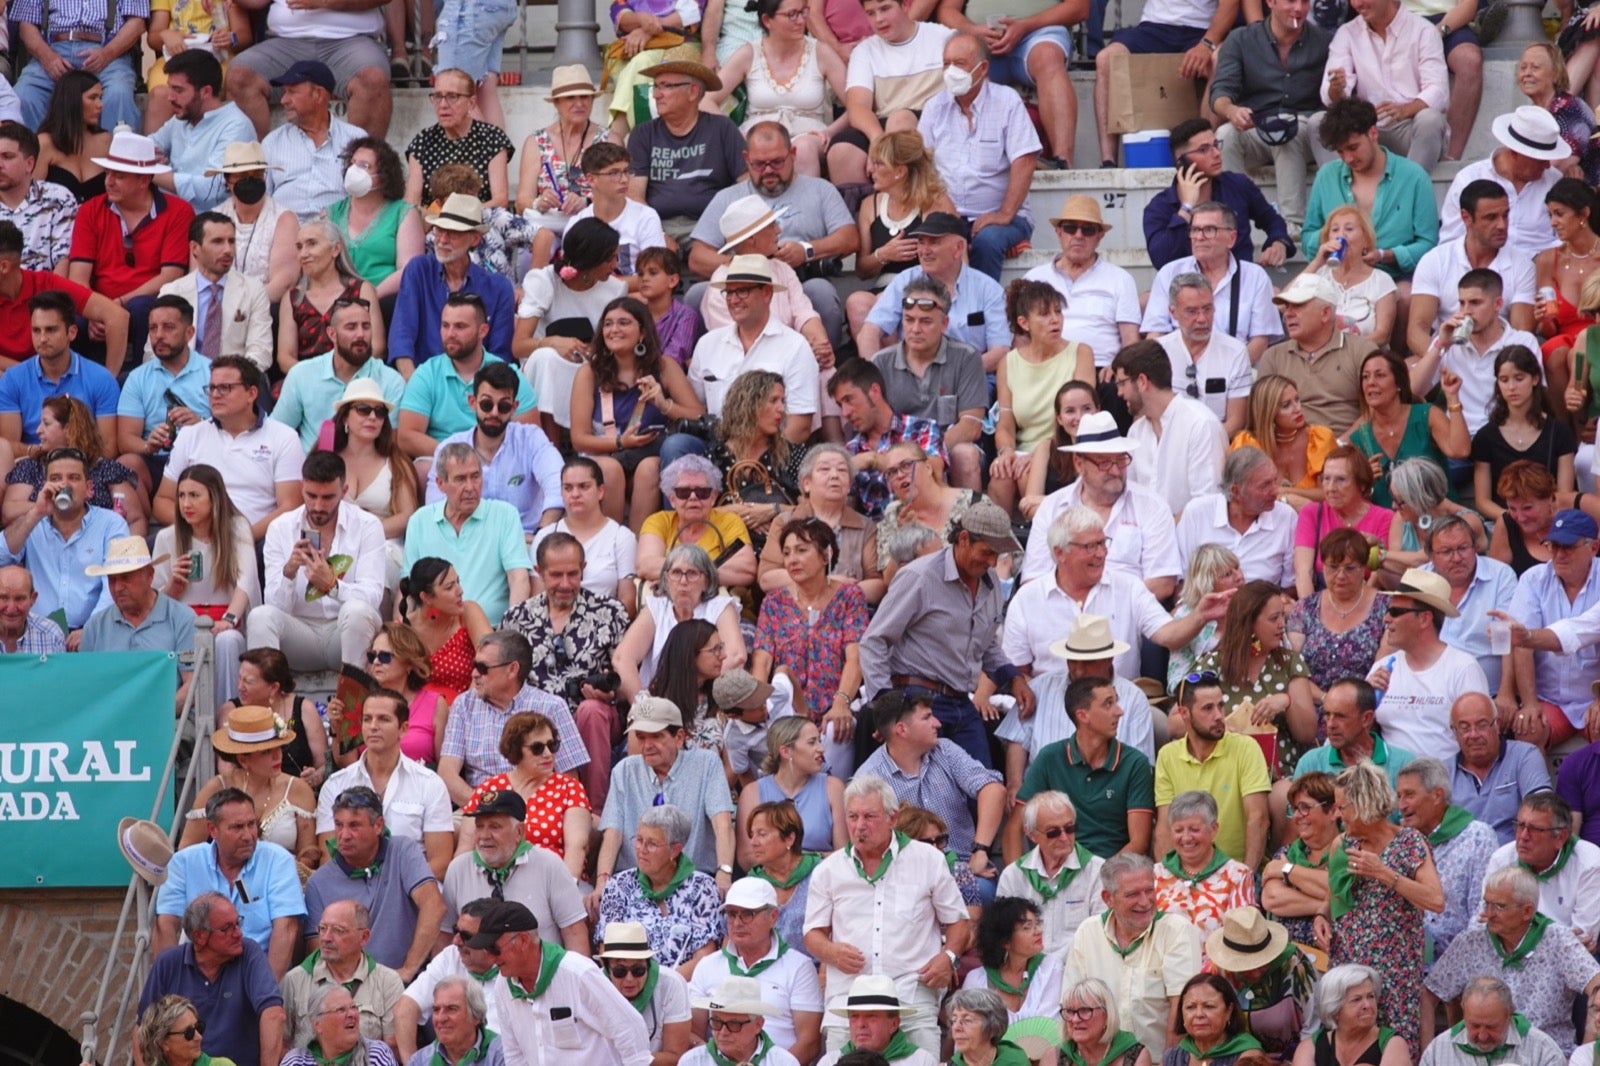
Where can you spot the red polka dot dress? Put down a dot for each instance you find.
(452, 665)
(547, 807)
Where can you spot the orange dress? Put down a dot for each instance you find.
(1320, 440)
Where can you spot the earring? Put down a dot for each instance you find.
(640, 351)
(1255, 645)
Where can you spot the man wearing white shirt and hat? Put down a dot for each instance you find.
(1423, 678)
(750, 227)
(875, 1013)
(738, 1033)
(1526, 165)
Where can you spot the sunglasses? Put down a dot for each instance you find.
(480, 667)
(65, 453)
(698, 492)
(381, 657)
(1056, 832)
(350, 301)
(719, 1024)
(921, 303)
(127, 250)
(620, 970)
(367, 410)
(498, 407)
(539, 747)
(1401, 612)
(197, 1029)
(1072, 229)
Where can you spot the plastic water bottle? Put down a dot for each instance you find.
(1388, 664)
(1337, 255)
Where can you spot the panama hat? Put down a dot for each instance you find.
(1427, 588)
(132, 153)
(124, 555)
(241, 157)
(1089, 639)
(147, 848)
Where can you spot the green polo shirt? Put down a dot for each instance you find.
(1103, 795)
(1326, 759)
(1235, 769)
(489, 545)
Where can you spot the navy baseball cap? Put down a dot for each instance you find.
(1570, 526)
(304, 71)
(941, 224)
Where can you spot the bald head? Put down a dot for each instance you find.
(17, 597)
(1477, 730)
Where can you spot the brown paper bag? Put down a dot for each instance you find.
(1148, 94)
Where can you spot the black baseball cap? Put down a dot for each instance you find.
(507, 916)
(941, 224)
(304, 71)
(499, 801)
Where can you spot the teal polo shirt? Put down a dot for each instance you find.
(1103, 795)
(438, 393)
(1325, 758)
(490, 544)
(311, 390)
(144, 394)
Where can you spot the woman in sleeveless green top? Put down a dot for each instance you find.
(381, 230)
(1395, 426)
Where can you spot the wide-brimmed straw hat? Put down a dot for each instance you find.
(1427, 588)
(252, 728)
(124, 555)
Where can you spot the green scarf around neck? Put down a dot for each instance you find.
(1235, 1045)
(1556, 867)
(898, 1047)
(763, 1046)
(1174, 866)
(900, 840)
(1458, 1036)
(1300, 855)
(1455, 821)
(684, 871)
(642, 1000)
(1049, 888)
(760, 966)
(802, 870)
(1518, 955)
(1021, 988)
(498, 875)
(1121, 1042)
(550, 956)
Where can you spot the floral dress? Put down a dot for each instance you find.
(1384, 931)
(1276, 673)
(569, 177)
(692, 918)
(1329, 655)
(813, 651)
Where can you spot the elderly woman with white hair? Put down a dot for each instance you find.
(686, 588)
(1196, 878)
(825, 483)
(678, 906)
(1091, 1032)
(1059, 874)
(327, 277)
(461, 1035)
(1541, 961)
(336, 1033)
(1421, 497)
(1349, 1034)
(691, 485)
(978, 1025)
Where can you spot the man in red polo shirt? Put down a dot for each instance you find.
(18, 286)
(128, 242)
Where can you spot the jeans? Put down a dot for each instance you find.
(959, 721)
(35, 87)
(989, 246)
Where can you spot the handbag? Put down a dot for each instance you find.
(749, 481)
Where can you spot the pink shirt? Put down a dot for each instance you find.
(1405, 64)
(417, 741)
(1318, 520)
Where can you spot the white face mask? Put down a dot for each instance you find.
(357, 182)
(958, 81)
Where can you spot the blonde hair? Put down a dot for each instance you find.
(1261, 420)
(1560, 80)
(906, 148)
(1363, 223)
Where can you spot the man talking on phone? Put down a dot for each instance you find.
(324, 569)
(1200, 180)
(520, 465)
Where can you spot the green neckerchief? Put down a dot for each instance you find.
(1341, 883)
(899, 841)
(1120, 1044)
(1049, 888)
(488, 975)
(1105, 918)
(476, 1053)
(736, 965)
(310, 965)
(550, 957)
(203, 1060)
(1555, 868)
(1527, 946)
(1174, 866)
(1237, 1044)
(1455, 821)
(764, 1046)
(499, 875)
(808, 862)
(1458, 1038)
(684, 871)
(1027, 977)
(642, 1000)
(316, 1053)
(899, 1047)
(1300, 855)
(1006, 1053)
(361, 873)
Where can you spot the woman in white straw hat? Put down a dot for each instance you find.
(255, 737)
(658, 993)
(549, 178)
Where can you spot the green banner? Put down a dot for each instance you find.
(85, 739)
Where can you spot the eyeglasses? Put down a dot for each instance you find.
(383, 658)
(1307, 808)
(334, 930)
(1088, 229)
(1457, 552)
(344, 1011)
(448, 98)
(768, 164)
(480, 667)
(619, 970)
(367, 410)
(223, 388)
(197, 1029)
(796, 15)
(1056, 832)
(727, 1024)
(1208, 232)
(921, 303)
(670, 85)
(1496, 907)
(738, 914)
(1107, 462)
(539, 747)
(1525, 827)
(683, 575)
(1400, 612)
(741, 292)
(496, 407)
(1080, 1013)
(227, 927)
(693, 492)
(1343, 568)
(902, 469)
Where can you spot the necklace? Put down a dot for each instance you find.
(1343, 612)
(567, 158)
(784, 88)
(1286, 438)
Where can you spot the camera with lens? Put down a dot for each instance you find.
(704, 427)
(603, 680)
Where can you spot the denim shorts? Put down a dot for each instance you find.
(472, 34)
(1012, 68)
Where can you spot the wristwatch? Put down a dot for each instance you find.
(955, 960)
(809, 249)
(1209, 43)
(1285, 871)
(976, 847)
(724, 868)
(230, 618)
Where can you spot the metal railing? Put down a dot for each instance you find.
(138, 905)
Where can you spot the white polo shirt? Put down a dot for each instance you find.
(1439, 272)
(1141, 531)
(415, 801)
(251, 464)
(1041, 614)
(1102, 299)
(1222, 373)
(1265, 550)
(789, 984)
(580, 1019)
(1185, 462)
(1477, 372)
(719, 358)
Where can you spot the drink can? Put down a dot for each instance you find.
(1463, 332)
(63, 500)
(197, 566)
(1547, 294)
(119, 504)
(1337, 255)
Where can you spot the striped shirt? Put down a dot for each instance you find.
(76, 14)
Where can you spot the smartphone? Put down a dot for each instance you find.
(313, 538)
